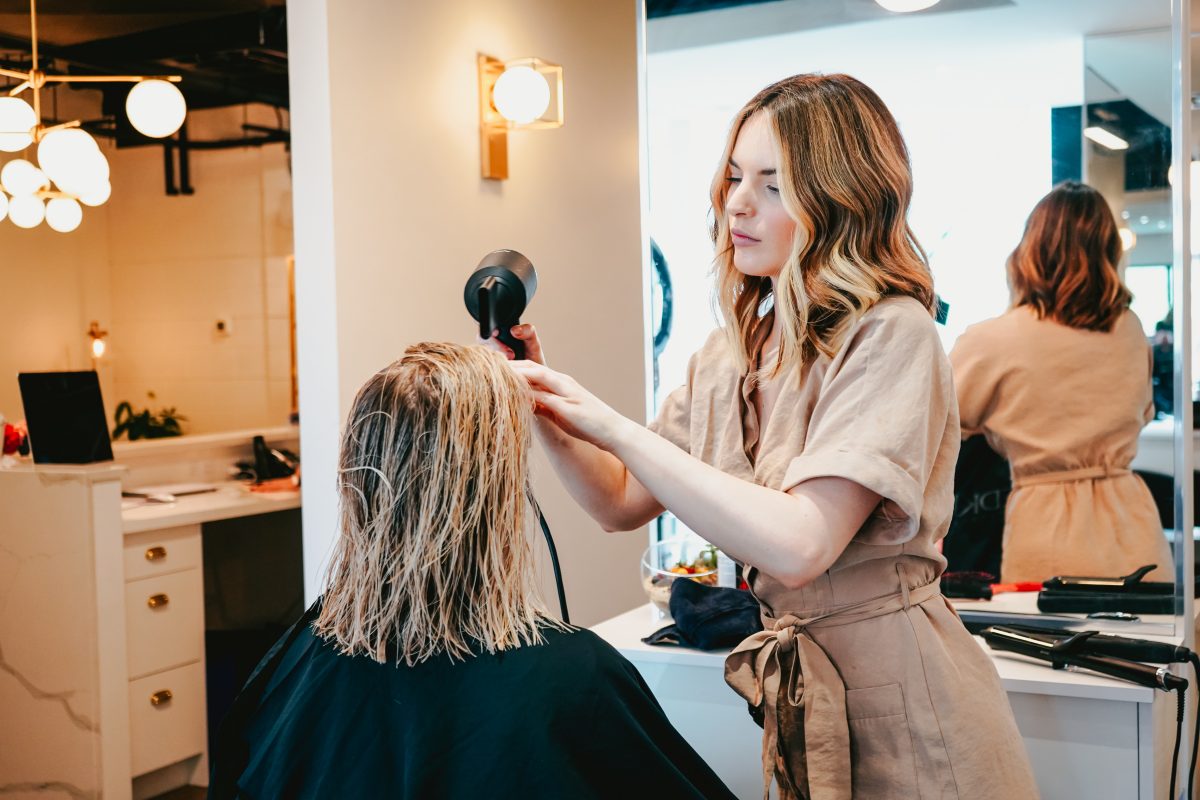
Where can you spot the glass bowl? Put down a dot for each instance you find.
(665, 562)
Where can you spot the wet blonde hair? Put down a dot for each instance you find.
(844, 177)
(433, 555)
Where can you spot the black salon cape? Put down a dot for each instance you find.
(570, 718)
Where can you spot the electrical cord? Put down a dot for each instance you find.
(1195, 662)
(1180, 693)
(558, 581)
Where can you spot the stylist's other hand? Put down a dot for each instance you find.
(568, 405)
(525, 333)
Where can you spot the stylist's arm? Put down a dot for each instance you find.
(624, 474)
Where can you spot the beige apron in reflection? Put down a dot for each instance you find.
(1065, 407)
(865, 680)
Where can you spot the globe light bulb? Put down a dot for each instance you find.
(26, 210)
(96, 196)
(67, 152)
(63, 214)
(21, 177)
(98, 347)
(87, 175)
(521, 94)
(905, 6)
(3, 205)
(156, 108)
(16, 121)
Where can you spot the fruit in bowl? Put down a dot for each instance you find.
(665, 562)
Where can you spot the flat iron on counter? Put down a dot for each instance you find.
(1127, 593)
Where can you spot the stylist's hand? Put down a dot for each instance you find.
(527, 334)
(568, 405)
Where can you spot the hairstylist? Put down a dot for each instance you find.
(815, 442)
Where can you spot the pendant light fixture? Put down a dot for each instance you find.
(70, 167)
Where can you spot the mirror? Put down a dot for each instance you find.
(185, 272)
(992, 98)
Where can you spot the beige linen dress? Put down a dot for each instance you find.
(1065, 407)
(865, 681)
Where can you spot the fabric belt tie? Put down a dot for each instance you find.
(789, 679)
(1069, 476)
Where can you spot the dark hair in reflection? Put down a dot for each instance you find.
(1065, 267)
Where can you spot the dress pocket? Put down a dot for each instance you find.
(882, 761)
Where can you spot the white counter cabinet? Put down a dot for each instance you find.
(102, 630)
(1087, 735)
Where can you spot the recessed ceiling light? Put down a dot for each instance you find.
(905, 6)
(1105, 138)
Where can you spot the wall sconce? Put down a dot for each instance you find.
(523, 94)
(98, 343)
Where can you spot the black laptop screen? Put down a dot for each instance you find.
(65, 415)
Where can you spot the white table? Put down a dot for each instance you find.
(1087, 735)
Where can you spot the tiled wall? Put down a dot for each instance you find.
(158, 272)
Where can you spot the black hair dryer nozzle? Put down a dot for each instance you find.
(497, 293)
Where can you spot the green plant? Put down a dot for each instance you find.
(145, 425)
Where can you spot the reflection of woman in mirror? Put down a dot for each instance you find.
(429, 669)
(815, 442)
(1060, 385)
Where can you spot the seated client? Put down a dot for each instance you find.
(430, 668)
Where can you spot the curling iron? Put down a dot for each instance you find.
(1115, 656)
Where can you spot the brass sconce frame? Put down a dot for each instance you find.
(494, 128)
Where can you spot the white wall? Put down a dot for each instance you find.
(156, 272)
(972, 93)
(392, 216)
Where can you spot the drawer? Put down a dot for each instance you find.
(159, 552)
(167, 721)
(164, 621)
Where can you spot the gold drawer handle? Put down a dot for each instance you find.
(161, 697)
(158, 601)
(156, 553)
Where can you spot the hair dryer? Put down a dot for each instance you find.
(497, 293)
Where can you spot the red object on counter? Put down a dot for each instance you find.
(1022, 586)
(14, 437)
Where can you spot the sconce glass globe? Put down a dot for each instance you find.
(97, 196)
(16, 121)
(63, 214)
(521, 95)
(22, 178)
(68, 152)
(26, 210)
(905, 6)
(156, 108)
(3, 205)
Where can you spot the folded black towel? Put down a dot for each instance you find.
(708, 617)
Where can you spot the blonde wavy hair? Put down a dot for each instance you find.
(845, 178)
(433, 555)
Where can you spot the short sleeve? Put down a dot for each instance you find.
(881, 419)
(974, 382)
(674, 420)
